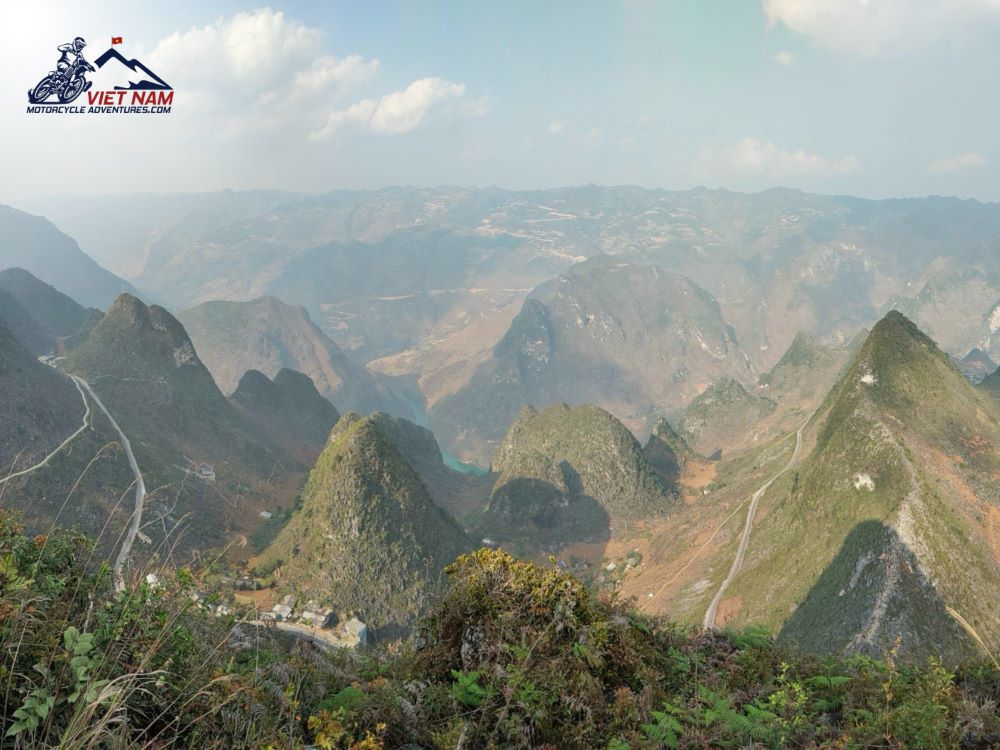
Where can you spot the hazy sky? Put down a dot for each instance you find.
(866, 97)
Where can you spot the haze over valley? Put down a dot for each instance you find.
(413, 402)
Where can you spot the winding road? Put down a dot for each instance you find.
(52, 454)
(140, 487)
(713, 608)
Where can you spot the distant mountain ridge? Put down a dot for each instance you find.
(636, 340)
(268, 335)
(289, 409)
(779, 261)
(37, 246)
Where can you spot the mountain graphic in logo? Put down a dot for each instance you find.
(139, 76)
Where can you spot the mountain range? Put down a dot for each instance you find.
(636, 340)
(426, 284)
(586, 348)
(209, 464)
(436, 260)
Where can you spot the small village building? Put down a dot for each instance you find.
(205, 472)
(281, 612)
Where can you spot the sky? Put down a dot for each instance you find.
(876, 98)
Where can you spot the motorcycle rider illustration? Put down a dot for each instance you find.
(74, 48)
(69, 79)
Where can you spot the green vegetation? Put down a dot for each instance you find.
(513, 655)
(269, 530)
(561, 463)
(883, 498)
(807, 370)
(368, 538)
(724, 413)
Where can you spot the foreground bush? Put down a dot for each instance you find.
(518, 656)
(513, 656)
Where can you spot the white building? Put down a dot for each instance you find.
(281, 612)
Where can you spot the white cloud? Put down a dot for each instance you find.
(557, 126)
(872, 27)
(756, 157)
(959, 162)
(784, 58)
(328, 70)
(262, 72)
(591, 138)
(256, 50)
(398, 112)
(256, 71)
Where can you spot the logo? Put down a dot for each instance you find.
(127, 85)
